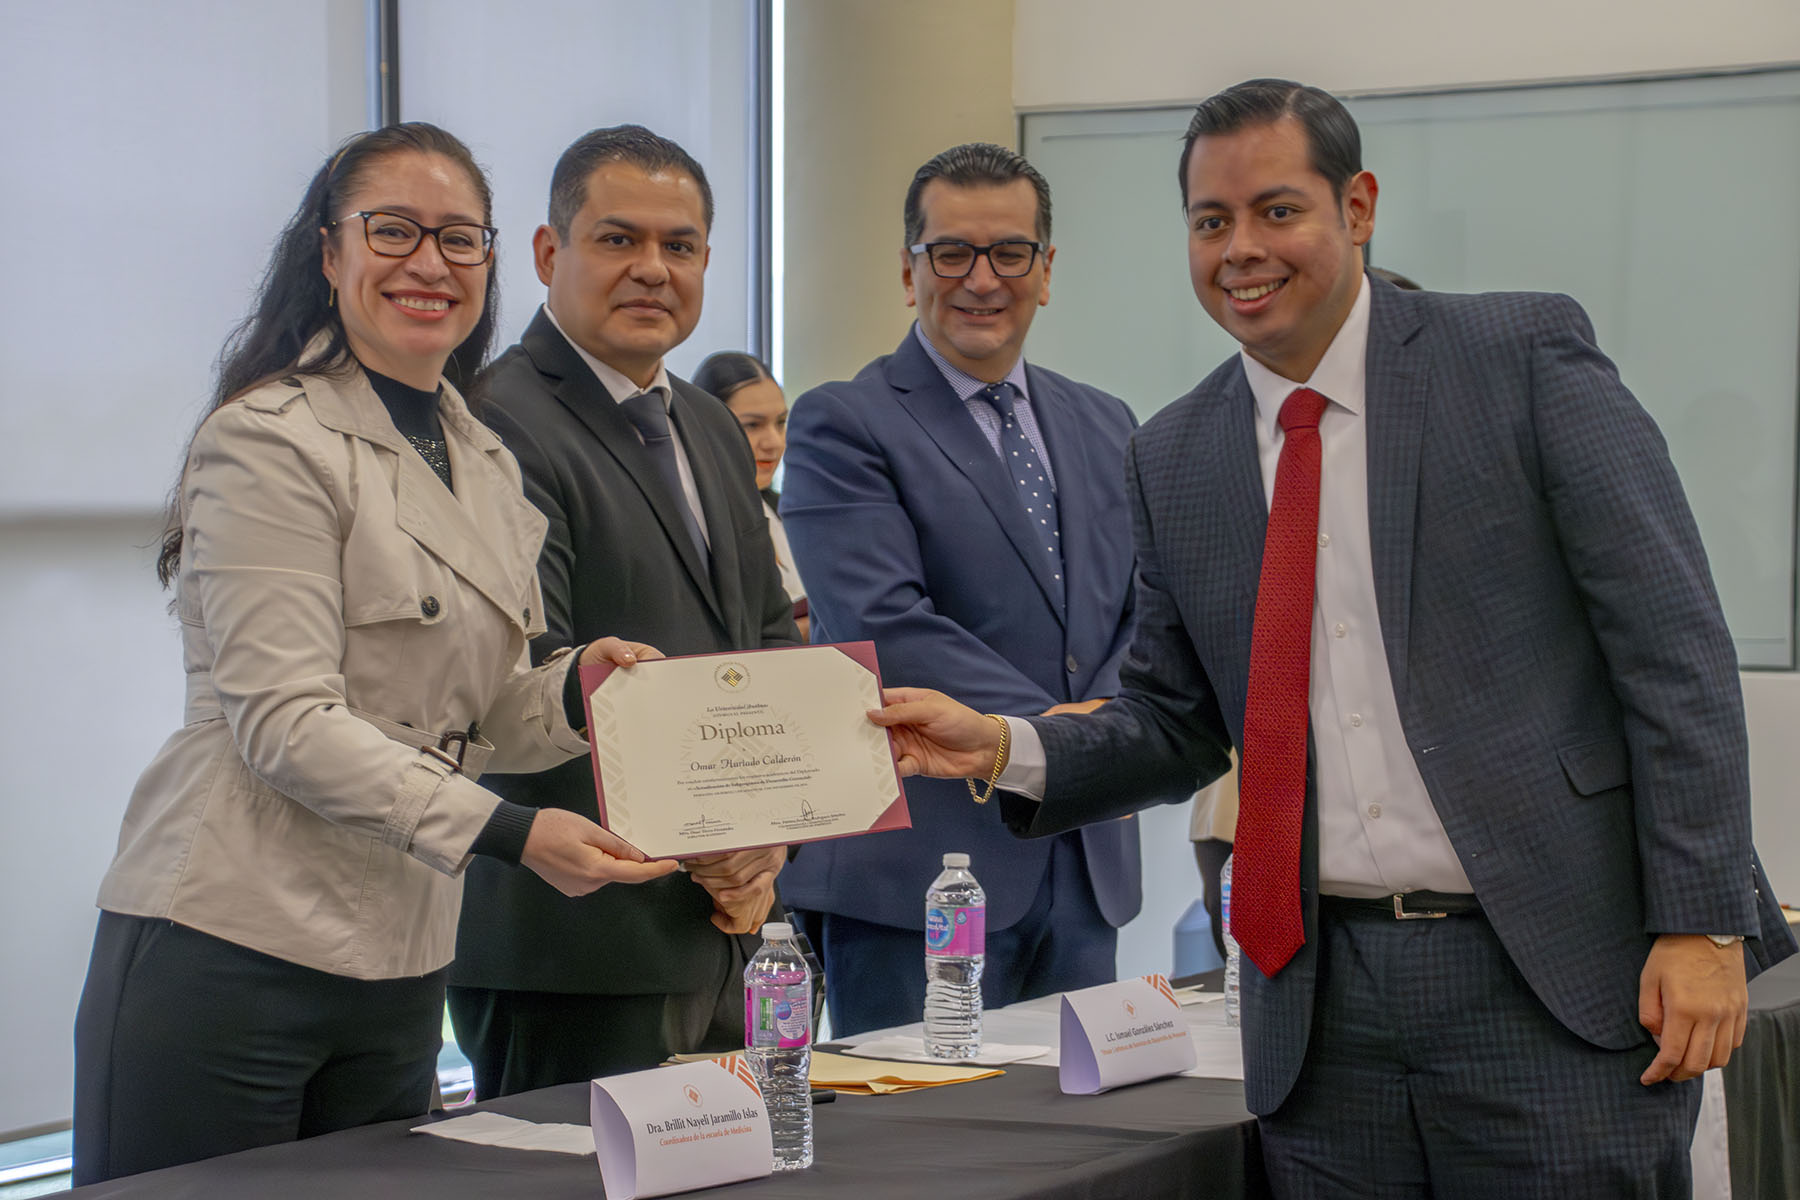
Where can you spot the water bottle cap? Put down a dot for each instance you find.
(956, 860)
(775, 930)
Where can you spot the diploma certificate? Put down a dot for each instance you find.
(717, 752)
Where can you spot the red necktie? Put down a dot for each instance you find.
(1265, 865)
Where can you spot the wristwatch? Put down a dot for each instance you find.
(1722, 940)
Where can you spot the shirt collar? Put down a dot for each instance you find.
(965, 385)
(618, 385)
(1340, 375)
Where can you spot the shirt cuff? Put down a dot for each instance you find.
(1026, 772)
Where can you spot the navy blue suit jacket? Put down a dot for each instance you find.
(908, 531)
(1564, 675)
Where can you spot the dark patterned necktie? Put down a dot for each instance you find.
(1029, 478)
(1265, 872)
(645, 410)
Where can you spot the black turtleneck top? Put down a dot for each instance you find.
(415, 415)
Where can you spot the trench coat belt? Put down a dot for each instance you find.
(462, 750)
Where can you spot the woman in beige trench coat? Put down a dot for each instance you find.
(355, 577)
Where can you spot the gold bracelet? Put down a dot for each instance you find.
(999, 762)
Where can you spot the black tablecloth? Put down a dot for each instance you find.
(1013, 1136)
(1762, 1090)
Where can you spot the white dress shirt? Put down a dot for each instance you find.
(621, 388)
(1378, 831)
(784, 555)
(968, 389)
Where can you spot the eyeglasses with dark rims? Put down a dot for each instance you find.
(954, 260)
(394, 236)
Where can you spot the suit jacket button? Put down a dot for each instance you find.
(1070, 663)
(429, 606)
(528, 616)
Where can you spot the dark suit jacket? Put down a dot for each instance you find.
(908, 531)
(617, 560)
(1563, 671)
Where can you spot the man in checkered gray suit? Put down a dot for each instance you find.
(1527, 898)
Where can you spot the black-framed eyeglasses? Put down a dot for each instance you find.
(394, 236)
(954, 260)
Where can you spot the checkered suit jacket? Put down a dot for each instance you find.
(1564, 675)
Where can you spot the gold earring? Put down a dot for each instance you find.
(331, 301)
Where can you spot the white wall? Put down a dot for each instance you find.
(1078, 54)
(1071, 54)
(874, 88)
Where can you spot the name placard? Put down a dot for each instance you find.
(675, 1129)
(1120, 1033)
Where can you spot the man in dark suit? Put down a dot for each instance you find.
(965, 510)
(656, 534)
(1426, 562)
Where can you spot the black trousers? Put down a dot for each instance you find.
(519, 1041)
(188, 1046)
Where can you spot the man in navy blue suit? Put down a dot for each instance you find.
(966, 511)
(1424, 560)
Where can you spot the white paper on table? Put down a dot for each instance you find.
(901, 1048)
(1120, 1033)
(1218, 1047)
(675, 1129)
(1190, 996)
(493, 1129)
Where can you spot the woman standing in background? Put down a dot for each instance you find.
(751, 393)
(355, 577)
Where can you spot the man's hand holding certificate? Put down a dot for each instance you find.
(701, 755)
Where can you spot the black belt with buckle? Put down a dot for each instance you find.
(1407, 906)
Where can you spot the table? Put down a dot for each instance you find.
(1762, 1089)
(1015, 1136)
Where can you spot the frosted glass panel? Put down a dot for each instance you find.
(1669, 209)
(153, 151)
(1122, 315)
(518, 82)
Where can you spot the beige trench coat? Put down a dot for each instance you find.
(331, 588)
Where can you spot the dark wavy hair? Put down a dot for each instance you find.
(728, 372)
(1332, 140)
(631, 144)
(973, 164)
(294, 303)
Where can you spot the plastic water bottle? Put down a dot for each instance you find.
(955, 947)
(1232, 954)
(778, 1042)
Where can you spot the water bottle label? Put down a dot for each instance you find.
(778, 1013)
(955, 932)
